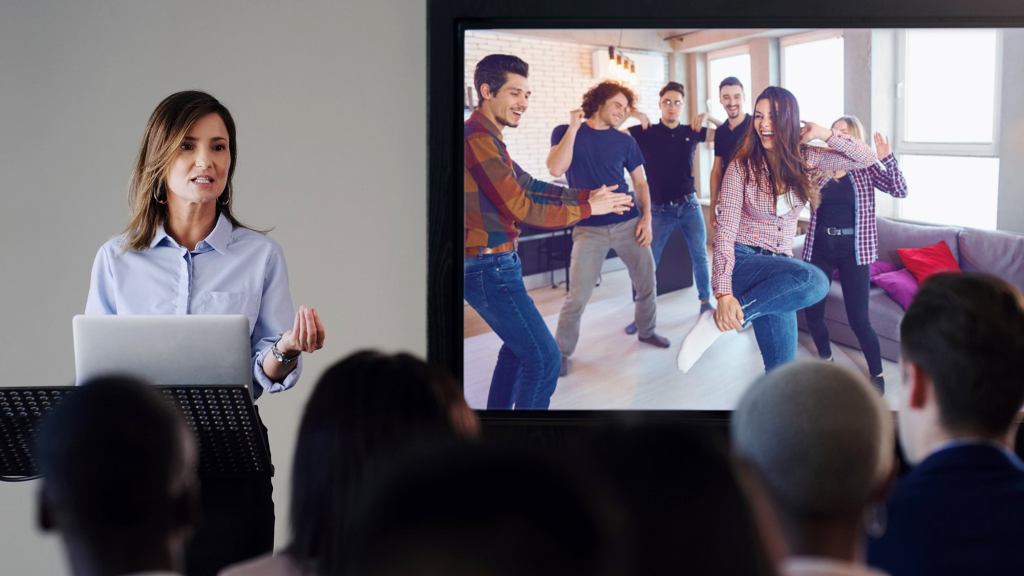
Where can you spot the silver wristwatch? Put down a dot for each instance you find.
(280, 356)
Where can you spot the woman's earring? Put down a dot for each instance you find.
(156, 195)
(226, 197)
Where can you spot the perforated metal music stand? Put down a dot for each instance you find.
(222, 418)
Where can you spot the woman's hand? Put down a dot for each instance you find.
(729, 314)
(881, 146)
(604, 200)
(306, 335)
(811, 131)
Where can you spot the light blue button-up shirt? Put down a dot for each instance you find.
(232, 271)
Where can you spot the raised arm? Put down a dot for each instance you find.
(890, 179)
(843, 152)
(560, 156)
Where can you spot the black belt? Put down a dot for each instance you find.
(839, 231)
(763, 252)
(674, 203)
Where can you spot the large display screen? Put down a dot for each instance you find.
(939, 104)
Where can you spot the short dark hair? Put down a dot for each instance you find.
(108, 454)
(966, 332)
(598, 95)
(363, 410)
(673, 87)
(494, 69)
(730, 81)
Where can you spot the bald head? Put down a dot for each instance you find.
(819, 436)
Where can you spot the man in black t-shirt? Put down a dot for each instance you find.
(668, 148)
(729, 134)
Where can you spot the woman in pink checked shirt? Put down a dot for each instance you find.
(773, 175)
(843, 236)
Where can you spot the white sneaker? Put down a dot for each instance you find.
(701, 337)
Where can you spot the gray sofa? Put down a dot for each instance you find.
(998, 253)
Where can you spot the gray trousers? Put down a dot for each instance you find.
(590, 245)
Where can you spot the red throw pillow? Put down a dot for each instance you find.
(924, 262)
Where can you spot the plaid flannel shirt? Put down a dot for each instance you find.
(498, 193)
(889, 180)
(747, 213)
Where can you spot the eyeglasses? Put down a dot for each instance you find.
(667, 102)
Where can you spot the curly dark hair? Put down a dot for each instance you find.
(598, 95)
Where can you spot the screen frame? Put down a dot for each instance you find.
(447, 22)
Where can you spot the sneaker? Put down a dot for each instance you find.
(701, 337)
(705, 306)
(564, 369)
(879, 383)
(631, 329)
(656, 340)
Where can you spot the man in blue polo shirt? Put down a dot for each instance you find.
(596, 151)
(668, 148)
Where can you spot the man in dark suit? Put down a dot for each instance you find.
(960, 509)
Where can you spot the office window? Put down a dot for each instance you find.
(950, 74)
(721, 65)
(948, 126)
(813, 70)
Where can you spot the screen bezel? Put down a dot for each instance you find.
(447, 22)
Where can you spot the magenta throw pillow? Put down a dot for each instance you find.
(900, 285)
(874, 269)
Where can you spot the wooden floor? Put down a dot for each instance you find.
(611, 370)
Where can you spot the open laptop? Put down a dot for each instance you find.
(164, 349)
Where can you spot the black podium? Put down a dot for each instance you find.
(223, 419)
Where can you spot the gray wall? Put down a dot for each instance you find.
(1011, 143)
(329, 98)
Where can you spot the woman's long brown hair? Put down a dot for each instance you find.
(165, 131)
(784, 162)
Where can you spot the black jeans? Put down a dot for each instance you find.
(236, 521)
(830, 253)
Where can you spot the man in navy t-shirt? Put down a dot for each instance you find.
(594, 151)
(668, 148)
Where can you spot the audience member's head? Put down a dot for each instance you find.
(962, 343)
(674, 502)
(119, 478)
(364, 411)
(475, 510)
(816, 440)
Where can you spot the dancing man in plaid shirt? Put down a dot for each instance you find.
(843, 235)
(772, 176)
(498, 193)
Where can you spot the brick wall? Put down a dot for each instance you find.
(560, 72)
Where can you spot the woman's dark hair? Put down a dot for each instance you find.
(598, 95)
(784, 165)
(364, 411)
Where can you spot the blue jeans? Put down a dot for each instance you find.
(689, 218)
(771, 289)
(529, 360)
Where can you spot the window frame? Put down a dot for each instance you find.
(952, 148)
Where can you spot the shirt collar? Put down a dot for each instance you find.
(218, 239)
(478, 117)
